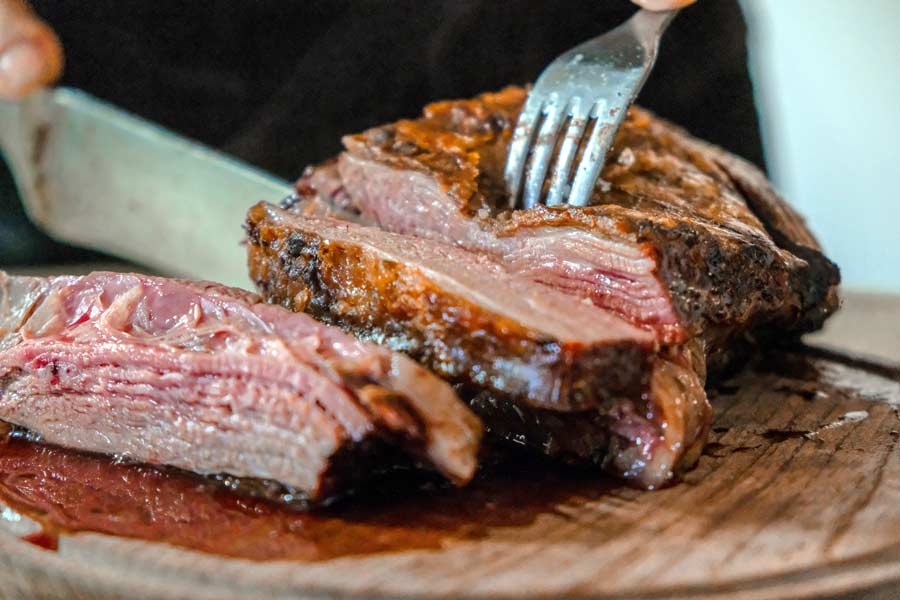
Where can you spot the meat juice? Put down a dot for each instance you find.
(68, 492)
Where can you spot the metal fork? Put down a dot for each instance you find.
(595, 81)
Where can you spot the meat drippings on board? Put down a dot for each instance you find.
(68, 492)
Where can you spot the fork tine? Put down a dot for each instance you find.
(542, 152)
(560, 177)
(593, 158)
(605, 73)
(518, 149)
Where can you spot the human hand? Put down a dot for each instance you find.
(30, 53)
(663, 4)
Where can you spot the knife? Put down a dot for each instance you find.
(95, 176)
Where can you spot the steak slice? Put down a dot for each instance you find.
(577, 384)
(209, 379)
(685, 243)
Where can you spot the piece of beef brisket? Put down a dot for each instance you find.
(583, 332)
(210, 379)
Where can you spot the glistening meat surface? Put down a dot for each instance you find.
(686, 244)
(540, 366)
(682, 237)
(211, 380)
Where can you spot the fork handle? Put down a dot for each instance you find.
(649, 25)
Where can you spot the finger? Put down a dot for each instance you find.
(30, 53)
(662, 4)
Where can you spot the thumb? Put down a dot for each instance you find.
(30, 53)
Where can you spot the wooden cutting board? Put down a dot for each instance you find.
(797, 495)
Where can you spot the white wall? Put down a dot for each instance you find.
(827, 78)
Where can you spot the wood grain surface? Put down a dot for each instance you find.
(797, 495)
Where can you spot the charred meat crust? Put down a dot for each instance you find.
(394, 304)
(574, 437)
(351, 469)
(816, 282)
(732, 254)
(722, 287)
(612, 415)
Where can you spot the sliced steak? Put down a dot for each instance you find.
(577, 382)
(211, 380)
(682, 237)
(468, 312)
(685, 243)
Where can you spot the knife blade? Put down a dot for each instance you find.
(95, 176)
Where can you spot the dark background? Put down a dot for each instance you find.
(277, 82)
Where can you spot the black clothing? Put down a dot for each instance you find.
(277, 82)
